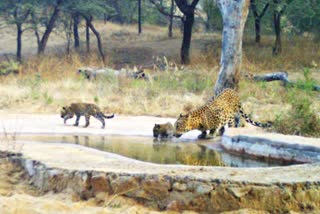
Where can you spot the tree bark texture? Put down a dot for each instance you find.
(279, 76)
(87, 36)
(188, 20)
(19, 18)
(171, 19)
(277, 29)
(186, 40)
(76, 36)
(19, 42)
(277, 14)
(234, 15)
(49, 28)
(139, 17)
(97, 34)
(257, 18)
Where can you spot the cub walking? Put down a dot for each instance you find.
(83, 109)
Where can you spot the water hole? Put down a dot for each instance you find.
(163, 152)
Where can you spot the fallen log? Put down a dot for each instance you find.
(278, 76)
(94, 73)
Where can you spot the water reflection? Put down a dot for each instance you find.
(164, 152)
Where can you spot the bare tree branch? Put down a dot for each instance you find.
(279, 76)
(162, 9)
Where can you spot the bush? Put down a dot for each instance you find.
(300, 120)
(9, 67)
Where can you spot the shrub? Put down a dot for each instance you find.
(300, 120)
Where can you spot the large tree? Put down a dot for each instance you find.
(277, 15)
(16, 12)
(188, 10)
(258, 16)
(139, 17)
(88, 10)
(50, 23)
(169, 12)
(234, 15)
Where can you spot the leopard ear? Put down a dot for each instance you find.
(64, 108)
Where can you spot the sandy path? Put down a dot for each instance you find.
(53, 124)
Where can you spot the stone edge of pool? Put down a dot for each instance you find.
(174, 187)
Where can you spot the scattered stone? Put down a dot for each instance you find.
(100, 183)
(124, 184)
(179, 186)
(175, 206)
(203, 189)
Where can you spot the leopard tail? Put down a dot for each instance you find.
(249, 120)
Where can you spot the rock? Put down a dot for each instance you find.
(203, 189)
(100, 183)
(239, 191)
(175, 206)
(124, 184)
(157, 188)
(179, 186)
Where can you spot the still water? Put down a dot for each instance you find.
(149, 150)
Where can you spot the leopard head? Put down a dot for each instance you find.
(66, 113)
(181, 125)
(156, 130)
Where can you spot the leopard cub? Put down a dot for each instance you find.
(83, 109)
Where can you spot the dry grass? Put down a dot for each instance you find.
(45, 84)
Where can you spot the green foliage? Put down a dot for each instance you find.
(189, 81)
(126, 10)
(47, 98)
(96, 99)
(307, 84)
(9, 67)
(34, 82)
(301, 119)
(92, 8)
(213, 15)
(305, 16)
(16, 11)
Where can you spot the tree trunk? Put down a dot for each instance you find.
(97, 34)
(277, 29)
(257, 18)
(171, 19)
(69, 35)
(139, 17)
(36, 33)
(186, 40)
(49, 28)
(188, 19)
(87, 36)
(257, 22)
(76, 31)
(234, 15)
(19, 42)
(118, 11)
